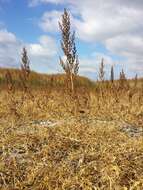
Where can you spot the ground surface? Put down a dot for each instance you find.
(71, 153)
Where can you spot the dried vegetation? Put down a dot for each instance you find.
(85, 149)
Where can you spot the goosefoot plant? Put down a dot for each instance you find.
(112, 74)
(101, 71)
(71, 63)
(122, 79)
(25, 69)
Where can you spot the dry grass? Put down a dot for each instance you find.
(84, 150)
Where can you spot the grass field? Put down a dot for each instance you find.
(52, 140)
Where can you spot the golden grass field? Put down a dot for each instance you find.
(52, 140)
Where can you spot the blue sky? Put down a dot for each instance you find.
(104, 29)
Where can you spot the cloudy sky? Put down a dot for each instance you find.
(111, 29)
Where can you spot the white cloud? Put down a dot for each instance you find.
(130, 47)
(41, 54)
(46, 47)
(9, 49)
(7, 37)
(116, 24)
(126, 45)
(103, 20)
(49, 21)
(99, 19)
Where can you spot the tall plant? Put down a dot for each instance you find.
(112, 74)
(71, 63)
(25, 69)
(101, 71)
